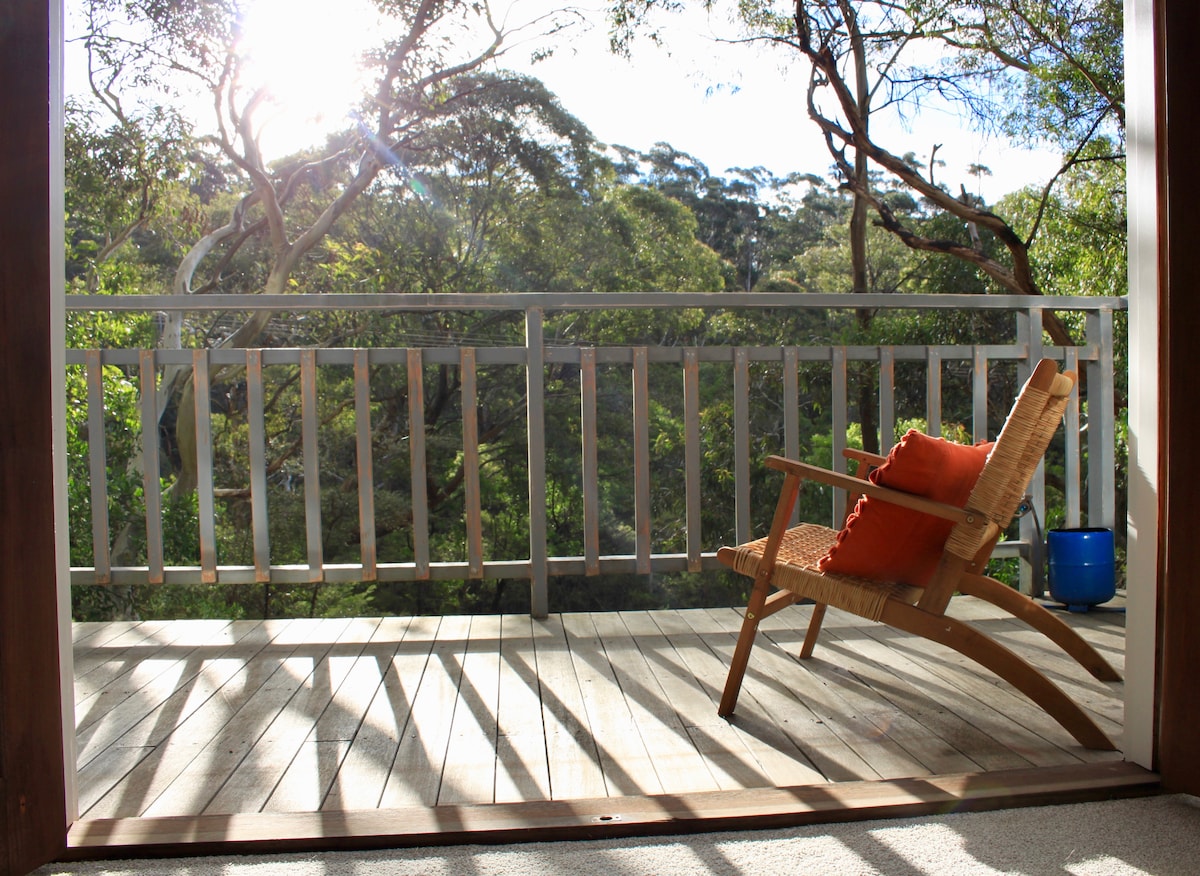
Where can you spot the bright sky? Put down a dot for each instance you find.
(728, 105)
(743, 106)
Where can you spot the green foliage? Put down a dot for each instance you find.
(1057, 66)
(1080, 247)
(500, 189)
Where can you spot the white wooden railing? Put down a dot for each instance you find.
(1095, 355)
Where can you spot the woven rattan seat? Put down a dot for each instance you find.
(796, 571)
(784, 565)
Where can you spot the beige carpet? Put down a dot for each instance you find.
(1159, 836)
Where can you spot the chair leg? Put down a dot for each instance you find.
(741, 653)
(987, 652)
(814, 630)
(1023, 608)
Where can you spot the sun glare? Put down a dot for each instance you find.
(307, 52)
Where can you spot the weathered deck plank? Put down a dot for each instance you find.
(914, 691)
(573, 759)
(745, 754)
(522, 762)
(340, 715)
(677, 762)
(469, 775)
(223, 689)
(987, 701)
(767, 697)
(301, 673)
(345, 688)
(145, 680)
(273, 756)
(360, 782)
(416, 774)
(95, 668)
(627, 765)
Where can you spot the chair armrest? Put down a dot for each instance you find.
(855, 485)
(874, 460)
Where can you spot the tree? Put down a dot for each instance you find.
(1056, 65)
(743, 218)
(487, 184)
(121, 181)
(500, 189)
(1082, 248)
(420, 64)
(1061, 57)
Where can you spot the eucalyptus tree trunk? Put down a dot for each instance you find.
(861, 181)
(867, 390)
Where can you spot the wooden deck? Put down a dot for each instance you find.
(188, 718)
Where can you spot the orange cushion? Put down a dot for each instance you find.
(886, 542)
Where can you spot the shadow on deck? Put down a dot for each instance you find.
(287, 734)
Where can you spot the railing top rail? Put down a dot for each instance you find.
(551, 301)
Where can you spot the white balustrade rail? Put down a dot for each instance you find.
(531, 360)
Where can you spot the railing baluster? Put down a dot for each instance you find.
(590, 463)
(1030, 526)
(535, 392)
(979, 397)
(205, 506)
(98, 466)
(641, 458)
(1035, 326)
(1102, 426)
(838, 385)
(365, 465)
(791, 411)
(309, 421)
(887, 398)
(418, 465)
(933, 392)
(255, 421)
(151, 478)
(691, 453)
(1072, 463)
(741, 443)
(473, 511)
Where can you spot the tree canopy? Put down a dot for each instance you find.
(1033, 69)
(458, 175)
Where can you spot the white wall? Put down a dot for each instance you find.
(1143, 383)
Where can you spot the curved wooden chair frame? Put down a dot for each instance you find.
(784, 564)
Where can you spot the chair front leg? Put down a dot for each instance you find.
(758, 595)
(741, 653)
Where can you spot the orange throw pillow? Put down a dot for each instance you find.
(887, 542)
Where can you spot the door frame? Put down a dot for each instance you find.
(35, 781)
(36, 735)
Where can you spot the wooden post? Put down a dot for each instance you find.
(32, 779)
(1178, 713)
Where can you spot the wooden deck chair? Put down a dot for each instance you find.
(785, 569)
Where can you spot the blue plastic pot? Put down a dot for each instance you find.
(1082, 567)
